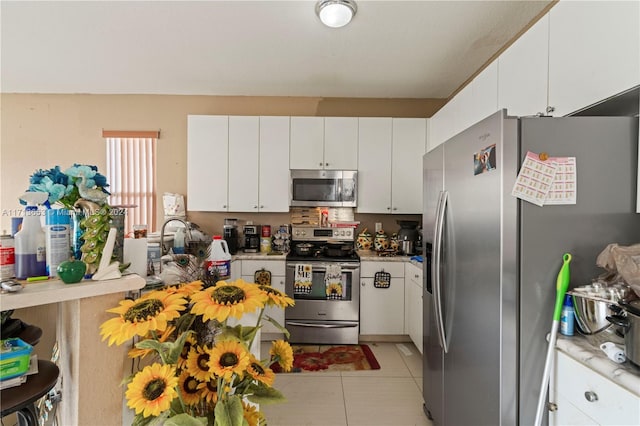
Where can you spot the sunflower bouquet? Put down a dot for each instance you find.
(202, 371)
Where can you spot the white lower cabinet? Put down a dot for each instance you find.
(381, 309)
(413, 303)
(277, 269)
(585, 397)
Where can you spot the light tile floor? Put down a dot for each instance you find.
(390, 396)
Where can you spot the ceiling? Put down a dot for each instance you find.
(392, 49)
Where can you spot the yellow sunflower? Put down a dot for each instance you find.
(188, 386)
(227, 299)
(150, 312)
(228, 357)
(152, 390)
(198, 363)
(189, 343)
(260, 372)
(186, 289)
(275, 297)
(209, 390)
(141, 353)
(252, 415)
(282, 353)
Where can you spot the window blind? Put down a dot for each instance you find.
(131, 173)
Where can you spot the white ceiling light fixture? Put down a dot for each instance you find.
(336, 13)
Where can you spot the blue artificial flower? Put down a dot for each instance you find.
(63, 186)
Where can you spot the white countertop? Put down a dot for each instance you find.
(626, 375)
(371, 255)
(53, 291)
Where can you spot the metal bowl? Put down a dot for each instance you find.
(591, 312)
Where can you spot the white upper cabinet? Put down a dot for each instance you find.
(341, 143)
(324, 143)
(374, 165)
(207, 171)
(594, 52)
(258, 164)
(390, 165)
(409, 141)
(273, 179)
(244, 149)
(307, 143)
(484, 100)
(523, 72)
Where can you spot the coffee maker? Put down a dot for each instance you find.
(230, 234)
(251, 238)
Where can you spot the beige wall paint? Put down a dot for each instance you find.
(41, 131)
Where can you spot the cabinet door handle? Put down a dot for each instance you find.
(224, 206)
(320, 164)
(255, 207)
(388, 208)
(550, 109)
(326, 164)
(362, 284)
(262, 207)
(591, 396)
(395, 208)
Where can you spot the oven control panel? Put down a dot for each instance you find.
(309, 233)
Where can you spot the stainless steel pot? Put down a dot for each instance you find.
(630, 324)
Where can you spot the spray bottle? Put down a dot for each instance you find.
(30, 241)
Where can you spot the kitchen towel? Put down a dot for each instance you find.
(333, 282)
(303, 279)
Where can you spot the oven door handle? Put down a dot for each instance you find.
(304, 324)
(318, 268)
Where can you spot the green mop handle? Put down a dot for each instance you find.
(562, 284)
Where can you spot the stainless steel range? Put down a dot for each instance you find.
(322, 275)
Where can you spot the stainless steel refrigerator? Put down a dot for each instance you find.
(490, 285)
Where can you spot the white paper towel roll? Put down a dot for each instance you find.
(614, 353)
(135, 251)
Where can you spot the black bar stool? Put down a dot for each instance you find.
(21, 399)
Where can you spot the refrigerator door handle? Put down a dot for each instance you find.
(436, 271)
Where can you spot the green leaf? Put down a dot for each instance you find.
(176, 347)
(287, 335)
(150, 344)
(185, 420)
(229, 412)
(266, 395)
(248, 333)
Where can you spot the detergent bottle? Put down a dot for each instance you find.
(218, 263)
(30, 241)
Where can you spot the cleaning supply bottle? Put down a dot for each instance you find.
(30, 241)
(178, 241)
(58, 238)
(218, 264)
(567, 317)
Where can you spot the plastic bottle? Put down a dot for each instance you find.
(567, 318)
(218, 264)
(178, 241)
(30, 241)
(58, 238)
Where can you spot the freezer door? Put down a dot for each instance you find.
(479, 376)
(433, 367)
(606, 151)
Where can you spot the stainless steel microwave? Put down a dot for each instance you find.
(319, 188)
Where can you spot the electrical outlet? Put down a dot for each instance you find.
(378, 226)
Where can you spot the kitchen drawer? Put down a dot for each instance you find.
(276, 267)
(612, 405)
(369, 269)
